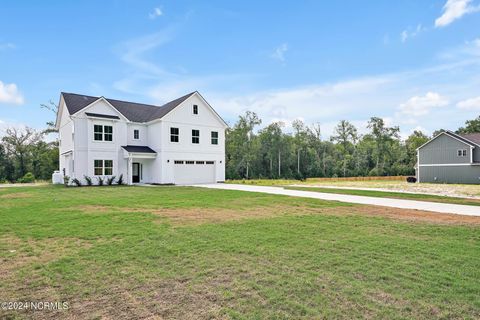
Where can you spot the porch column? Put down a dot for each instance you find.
(129, 171)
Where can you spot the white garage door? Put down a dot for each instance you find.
(191, 172)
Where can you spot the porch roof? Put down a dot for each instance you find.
(138, 149)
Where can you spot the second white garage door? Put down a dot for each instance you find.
(192, 172)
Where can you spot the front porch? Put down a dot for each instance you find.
(139, 163)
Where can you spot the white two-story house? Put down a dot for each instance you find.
(181, 142)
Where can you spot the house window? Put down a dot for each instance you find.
(462, 152)
(209, 162)
(102, 133)
(103, 167)
(195, 136)
(178, 162)
(98, 167)
(195, 109)
(189, 162)
(98, 132)
(108, 133)
(174, 134)
(136, 134)
(214, 137)
(108, 167)
(200, 162)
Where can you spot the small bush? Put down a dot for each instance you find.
(89, 180)
(100, 181)
(77, 182)
(110, 180)
(411, 179)
(120, 180)
(66, 180)
(27, 178)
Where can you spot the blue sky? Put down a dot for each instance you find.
(414, 63)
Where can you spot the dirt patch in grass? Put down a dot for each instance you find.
(197, 216)
(18, 195)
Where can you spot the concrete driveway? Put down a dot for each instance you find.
(385, 202)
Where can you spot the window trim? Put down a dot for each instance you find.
(102, 167)
(462, 153)
(136, 134)
(103, 133)
(195, 109)
(197, 137)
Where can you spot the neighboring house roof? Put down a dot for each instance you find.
(98, 115)
(472, 137)
(138, 149)
(452, 135)
(135, 112)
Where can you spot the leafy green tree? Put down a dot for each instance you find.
(471, 126)
(346, 135)
(384, 136)
(415, 140)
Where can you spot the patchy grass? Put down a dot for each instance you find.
(190, 253)
(392, 195)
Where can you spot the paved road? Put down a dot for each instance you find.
(394, 203)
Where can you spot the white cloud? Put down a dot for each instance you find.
(453, 10)
(157, 12)
(279, 53)
(469, 104)
(422, 105)
(9, 94)
(411, 33)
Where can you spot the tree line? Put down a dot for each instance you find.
(253, 152)
(272, 153)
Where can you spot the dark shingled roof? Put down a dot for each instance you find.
(136, 112)
(473, 137)
(138, 149)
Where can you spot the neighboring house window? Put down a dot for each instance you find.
(102, 133)
(98, 132)
(462, 153)
(195, 109)
(195, 136)
(103, 167)
(136, 134)
(214, 137)
(174, 134)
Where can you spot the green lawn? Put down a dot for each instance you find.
(393, 195)
(192, 253)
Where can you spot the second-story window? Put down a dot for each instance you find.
(98, 132)
(136, 134)
(195, 109)
(195, 136)
(102, 133)
(214, 137)
(174, 134)
(108, 133)
(462, 153)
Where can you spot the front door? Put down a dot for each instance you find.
(135, 172)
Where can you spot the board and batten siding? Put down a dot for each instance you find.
(450, 174)
(443, 150)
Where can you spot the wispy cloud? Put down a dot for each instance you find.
(157, 12)
(411, 33)
(7, 46)
(9, 94)
(454, 10)
(469, 104)
(422, 105)
(279, 52)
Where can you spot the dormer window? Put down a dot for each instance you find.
(195, 109)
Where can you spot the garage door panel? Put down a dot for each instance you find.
(192, 172)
